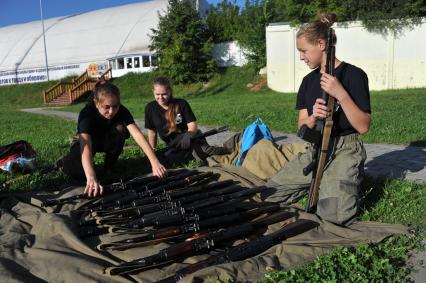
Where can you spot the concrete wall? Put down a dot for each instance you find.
(389, 61)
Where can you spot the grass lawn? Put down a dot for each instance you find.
(397, 118)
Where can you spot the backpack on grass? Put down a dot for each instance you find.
(17, 156)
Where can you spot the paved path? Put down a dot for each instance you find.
(386, 160)
(393, 161)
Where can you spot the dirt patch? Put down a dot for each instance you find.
(260, 84)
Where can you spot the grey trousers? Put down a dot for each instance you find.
(340, 187)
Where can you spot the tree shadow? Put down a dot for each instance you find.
(398, 163)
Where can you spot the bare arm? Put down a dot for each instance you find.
(93, 187)
(305, 119)
(157, 168)
(359, 119)
(152, 138)
(192, 127)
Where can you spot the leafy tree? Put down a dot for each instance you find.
(376, 15)
(182, 44)
(223, 21)
(386, 15)
(252, 35)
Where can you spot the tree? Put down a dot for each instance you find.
(182, 44)
(376, 15)
(223, 21)
(386, 15)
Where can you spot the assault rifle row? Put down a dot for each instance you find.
(191, 211)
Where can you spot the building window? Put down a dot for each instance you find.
(145, 61)
(136, 61)
(129, 63)
(154, 61)
(120, 63)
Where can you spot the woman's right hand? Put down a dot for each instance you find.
(93, 187)
(320, 110)
(158, 169)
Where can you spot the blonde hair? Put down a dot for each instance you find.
(318, 29)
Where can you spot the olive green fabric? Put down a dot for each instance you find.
(42, 245)
(339, 192)
(263, 160)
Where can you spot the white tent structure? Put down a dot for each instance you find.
(119, 35)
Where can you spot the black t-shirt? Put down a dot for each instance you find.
(355, 82)
(94, 124)
(155, 118)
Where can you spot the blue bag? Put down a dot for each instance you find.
(252, 134)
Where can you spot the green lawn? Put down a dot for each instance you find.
(397, 114)
(397, 118)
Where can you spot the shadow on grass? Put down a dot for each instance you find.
(373, 191)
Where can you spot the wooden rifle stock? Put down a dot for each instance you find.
(202, 244)
(246, 250)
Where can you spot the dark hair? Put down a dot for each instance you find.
(173, 108)
(104, 88)
(318, 29)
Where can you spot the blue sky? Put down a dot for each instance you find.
(22, 11)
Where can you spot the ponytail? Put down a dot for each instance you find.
(318, 29)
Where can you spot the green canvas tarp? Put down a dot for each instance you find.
(42, 245)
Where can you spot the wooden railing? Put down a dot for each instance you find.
(82, 78)
(106, 75)
(56, 90)
(76, 89)
(81, 88)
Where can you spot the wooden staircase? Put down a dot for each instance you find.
(65, 93)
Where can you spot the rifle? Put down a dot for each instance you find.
(110, 189)
(198, 245)
(149, 219)
(320, 138)
(223, 216)
(132, 212)
(246, 250)
(160, 215)
(171, 147)
(150, 189)
(190, 222)
(123, 202)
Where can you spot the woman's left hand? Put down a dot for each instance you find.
(332, 86)
(159, 170)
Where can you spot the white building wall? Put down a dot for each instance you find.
(390, 62)
(229, 54)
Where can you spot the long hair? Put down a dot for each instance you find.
(102, 89)
(318, 29)
(173, 108)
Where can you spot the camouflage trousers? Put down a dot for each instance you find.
(340, 188)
